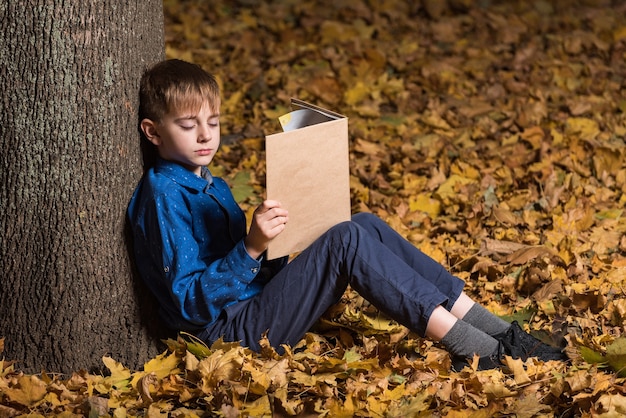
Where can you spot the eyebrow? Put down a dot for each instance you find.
(190, 117)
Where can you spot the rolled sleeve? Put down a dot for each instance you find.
(242, 262)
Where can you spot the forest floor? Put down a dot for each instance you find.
(488, 133)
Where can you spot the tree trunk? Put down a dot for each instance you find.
(69, 76)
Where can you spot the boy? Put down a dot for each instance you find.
(211, 279)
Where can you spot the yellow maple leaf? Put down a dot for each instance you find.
(423, 202)
(450, 188)
(619, 33)
(517, 367)
(345, 410)
(433, 251)
(611, 405)
(120, 375)
(436, 121)
(497, 390)
(292, 405)
(163, 365)
(607, 160)
(277, 371)
(304, 379)
(529, 406)
(28, 391)
(356, 94)
(413, 407)
(579, 380)
(259, 381)
(585, 128)
(218, 367)
(534, 136)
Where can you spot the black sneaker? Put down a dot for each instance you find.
(519, 344)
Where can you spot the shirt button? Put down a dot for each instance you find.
(255, 269)
(166, 269)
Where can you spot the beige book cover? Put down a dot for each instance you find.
(308, 172)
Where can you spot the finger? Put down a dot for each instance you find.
(277, 229)
(271, 203)
(279, 212)
(276, 223)
(266, 206)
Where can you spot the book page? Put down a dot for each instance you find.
(306, 114)
(301, 118)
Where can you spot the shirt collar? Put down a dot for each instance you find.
(182, 176)
(206, 174)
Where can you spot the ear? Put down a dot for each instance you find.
(151, 132)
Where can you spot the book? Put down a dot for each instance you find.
(307, 170)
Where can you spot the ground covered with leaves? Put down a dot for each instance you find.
(490, 134)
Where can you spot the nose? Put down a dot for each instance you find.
(204, 133)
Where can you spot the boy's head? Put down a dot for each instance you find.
(173, 86)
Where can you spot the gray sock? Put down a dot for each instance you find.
(465, 340)
(485, 321)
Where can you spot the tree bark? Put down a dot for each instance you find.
(70, 159)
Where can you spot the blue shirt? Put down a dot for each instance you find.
(188, 242)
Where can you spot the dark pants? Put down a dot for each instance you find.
(366, 254)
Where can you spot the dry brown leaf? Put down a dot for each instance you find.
(524, 255)
(548, 291)
(491, 246)
(144, 386)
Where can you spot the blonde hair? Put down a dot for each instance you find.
(176, 86)
(173, 86)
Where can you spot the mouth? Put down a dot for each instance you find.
(204, 152)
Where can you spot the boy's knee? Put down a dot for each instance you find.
(349, 232)
(365, 218)
(344, 232)
(341, 228)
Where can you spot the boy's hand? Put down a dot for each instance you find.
(268, 221)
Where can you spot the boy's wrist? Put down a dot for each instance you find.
(252, 250)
